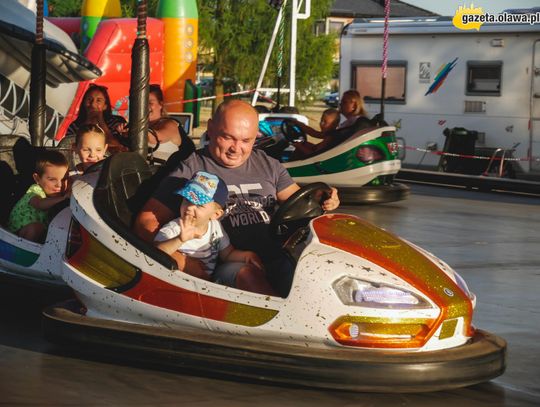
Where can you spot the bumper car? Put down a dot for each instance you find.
(35, 262)
(61, 68)
(366, 310)
(361, 161)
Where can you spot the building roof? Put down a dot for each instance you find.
(375, 8)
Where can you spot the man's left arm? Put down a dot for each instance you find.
(284, 194)
(286, 187)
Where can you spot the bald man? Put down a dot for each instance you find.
(256, 182)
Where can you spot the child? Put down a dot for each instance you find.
(28, 218)
(90, 145)
(197, 232)
(329, 122)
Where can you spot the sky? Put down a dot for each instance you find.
(449, 7)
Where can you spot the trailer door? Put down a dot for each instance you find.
(535, 110)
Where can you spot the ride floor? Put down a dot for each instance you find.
(492, 240)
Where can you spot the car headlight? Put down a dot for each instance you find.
(384, 295)
(354, 291)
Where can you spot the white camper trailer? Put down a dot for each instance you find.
(493, 88)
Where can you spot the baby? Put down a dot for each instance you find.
(28, 218)
(198, 233)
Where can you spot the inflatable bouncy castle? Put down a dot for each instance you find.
(172, 37)
(106, 40)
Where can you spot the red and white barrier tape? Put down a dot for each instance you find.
(476, 157)
(422, 150)
(242, 92)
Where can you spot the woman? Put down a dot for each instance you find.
(351, 107)
(354, 117)
(165, 136)
(96, 109)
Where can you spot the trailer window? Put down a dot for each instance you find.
(367, 80)
(484, 78)
(335, 27)
(324, 27)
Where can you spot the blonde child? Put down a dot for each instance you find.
(197, 233)
(90, 145)
(28, 218)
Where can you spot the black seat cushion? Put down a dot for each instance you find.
(8, 186)
(115, 200)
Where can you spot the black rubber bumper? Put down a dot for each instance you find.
(191, 351)
(373, 194)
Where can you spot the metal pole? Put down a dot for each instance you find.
(385, 56)
(292, 64)
(383, 95)
(295, 16)
(139, 85)
(268, 54)
(36, 117)
(281, 51)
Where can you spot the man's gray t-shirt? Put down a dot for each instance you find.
(253, 189)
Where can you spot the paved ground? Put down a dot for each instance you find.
(492, 240)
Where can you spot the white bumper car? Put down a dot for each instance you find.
(367, 311)
(361, 162)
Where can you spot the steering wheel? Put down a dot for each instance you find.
(292, 132)
(302, 206)
(94, 167)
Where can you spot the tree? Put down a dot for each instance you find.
(65, 8)
(315, 55)
(237, 34)
(129, 7)
(234, 36)
(72, 8)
